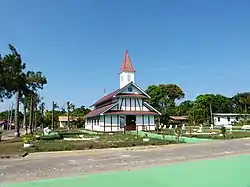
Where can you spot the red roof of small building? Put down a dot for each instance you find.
(98, 111)
(179, 117)
(127, 64)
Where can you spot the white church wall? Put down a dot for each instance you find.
(131, 104)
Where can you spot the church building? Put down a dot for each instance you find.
(124, 108)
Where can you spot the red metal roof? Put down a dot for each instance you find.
(131, 95)
(98, 111)
(106, 97)
(127, 64)
(132, 112)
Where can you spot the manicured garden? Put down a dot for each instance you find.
(76, 140)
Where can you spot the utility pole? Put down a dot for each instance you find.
(52, 120)
(68, 115)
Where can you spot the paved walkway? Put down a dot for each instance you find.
(228, 171)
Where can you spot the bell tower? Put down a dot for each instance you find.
(127, 72)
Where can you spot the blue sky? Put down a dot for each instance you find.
(203, 46)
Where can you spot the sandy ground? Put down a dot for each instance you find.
(62, 164)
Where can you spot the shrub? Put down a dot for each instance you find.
(223, 131)
(51, 137)
(28, 138)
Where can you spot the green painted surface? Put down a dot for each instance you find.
(230, 171)
(172, 137)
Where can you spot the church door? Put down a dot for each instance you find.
(130, 122)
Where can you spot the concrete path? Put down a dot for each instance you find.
(52, 165)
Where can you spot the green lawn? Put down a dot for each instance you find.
(56, 142)
(232, 171)
(11, 147)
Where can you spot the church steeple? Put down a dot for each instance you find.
(127, 72)
(127, 64)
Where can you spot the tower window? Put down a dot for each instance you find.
(129, 78)
(121, 78)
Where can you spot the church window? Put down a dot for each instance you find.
(129, 78)
(121, 78)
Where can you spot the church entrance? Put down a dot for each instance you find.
(130, 123)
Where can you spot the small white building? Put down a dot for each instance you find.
(124, 108)
(226, 119)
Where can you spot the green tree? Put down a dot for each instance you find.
(34, 81)
(241, 102)
(184, 108)
(79, 113)
(218, 103)
(163, 98)
(14, 80)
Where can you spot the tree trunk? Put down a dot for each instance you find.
(31, 115)
(24, 119)
(35, 117)
(17, 126)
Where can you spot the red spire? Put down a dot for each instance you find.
(127, 64)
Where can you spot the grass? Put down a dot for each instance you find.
(13, 146)
(56, 142)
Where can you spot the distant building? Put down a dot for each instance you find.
(4, 124)
(221, 119)
(64, 119)
(124, 108)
